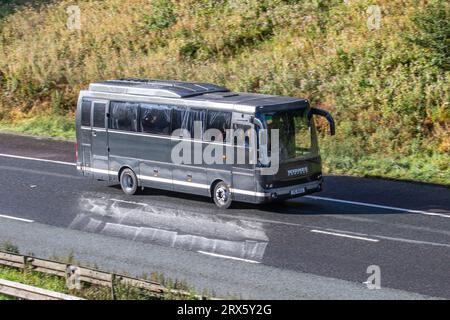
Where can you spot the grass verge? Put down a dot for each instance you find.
(93, 292)
(55, 126)
(90, 292)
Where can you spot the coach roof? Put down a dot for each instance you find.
(190, 91)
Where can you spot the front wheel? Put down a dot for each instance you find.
(222, 195)
(129, 182)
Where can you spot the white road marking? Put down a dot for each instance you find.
(15, 218)
(239, 191)
(414, 241)
(345, 235)
(379, 206)
(347, 232)
(37, 159)
(40, 172)
(130, 202)
(227, 257)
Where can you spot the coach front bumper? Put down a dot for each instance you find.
(289, 192)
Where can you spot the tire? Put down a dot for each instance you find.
(222, 195)
(129, 182)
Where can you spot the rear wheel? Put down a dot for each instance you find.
(222, 195)
(129, 182)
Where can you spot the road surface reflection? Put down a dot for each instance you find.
(171, 227)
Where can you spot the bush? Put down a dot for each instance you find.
(387, 88)
(162, 16)
(433, 25)
(9, 247)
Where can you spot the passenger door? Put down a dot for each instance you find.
(244, 183)
(100, 143)
(86, 137)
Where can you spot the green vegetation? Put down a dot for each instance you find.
(387, 87)
(34, 279)
(58, 284)
(7, 246)
(91, 292)
(433, 24)
(42, 125)
(4, 298)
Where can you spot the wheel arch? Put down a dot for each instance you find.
(123, 168)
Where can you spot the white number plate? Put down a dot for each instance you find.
(298, 191)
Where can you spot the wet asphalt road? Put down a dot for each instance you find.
(404, 228)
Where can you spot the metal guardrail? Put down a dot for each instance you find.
(75, 275)
(26, 292)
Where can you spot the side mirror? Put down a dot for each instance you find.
(257, 122)
(326, 115)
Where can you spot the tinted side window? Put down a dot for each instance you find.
(242, 138)
(155, 118)
(186, 118)
(124, 116)
(177, 118)
(99, 115)
(219, 120)
(196, 115)
(86, 113)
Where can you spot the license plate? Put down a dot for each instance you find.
(298, 191)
